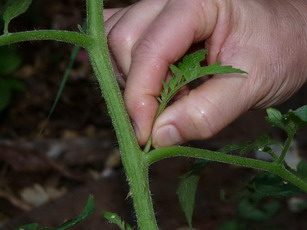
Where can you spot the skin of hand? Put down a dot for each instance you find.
(267, 39)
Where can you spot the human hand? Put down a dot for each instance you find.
(267, 39)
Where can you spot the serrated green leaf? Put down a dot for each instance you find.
(187, 189)
(189, 70)
(217, 68)
(28, 227)
(87, 211)
(177, 73)
(15, 8)
(115, 219)
(185, 72)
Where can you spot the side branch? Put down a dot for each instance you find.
(272, 167)
(74, 38)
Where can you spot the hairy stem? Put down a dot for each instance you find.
(74, 38)
(271, 167)
(134, 160)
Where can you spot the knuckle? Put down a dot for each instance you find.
(200, 120)
(120, 38)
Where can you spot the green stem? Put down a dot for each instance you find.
(134, 160)
(271, 167)
(75, 38)
(285, 149)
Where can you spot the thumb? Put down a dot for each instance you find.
(203, 112)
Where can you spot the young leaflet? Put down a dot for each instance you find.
(184, 73)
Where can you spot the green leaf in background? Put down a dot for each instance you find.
(7, 87)
(252, 211)
(187, 189)
(302, 169)
(28, 227)
(262, 143)
(14, 9)
(87, 211)
(290, 122)
(9, 60)
(301, 113)
(269, 184)
(115, 219)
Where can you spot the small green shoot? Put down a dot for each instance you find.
(184, 73)
(113, 218)
(14, 9)
(187, 71)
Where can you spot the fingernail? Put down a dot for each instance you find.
(166, 135)
(136, 131)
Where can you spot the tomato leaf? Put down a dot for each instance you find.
(269, 184)
(290, 122)
(249, 209)
(262, 143)
(87, 211)
(189, 70)
(187, 189)
(14, 9)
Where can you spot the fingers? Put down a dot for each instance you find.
(202, 113)
(107, 13)
(126, 28)
(166, 39)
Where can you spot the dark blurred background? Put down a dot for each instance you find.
(46, 177)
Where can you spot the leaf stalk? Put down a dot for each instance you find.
(70, 37)
(272, 167)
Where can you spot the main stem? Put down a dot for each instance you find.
(134, 160)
